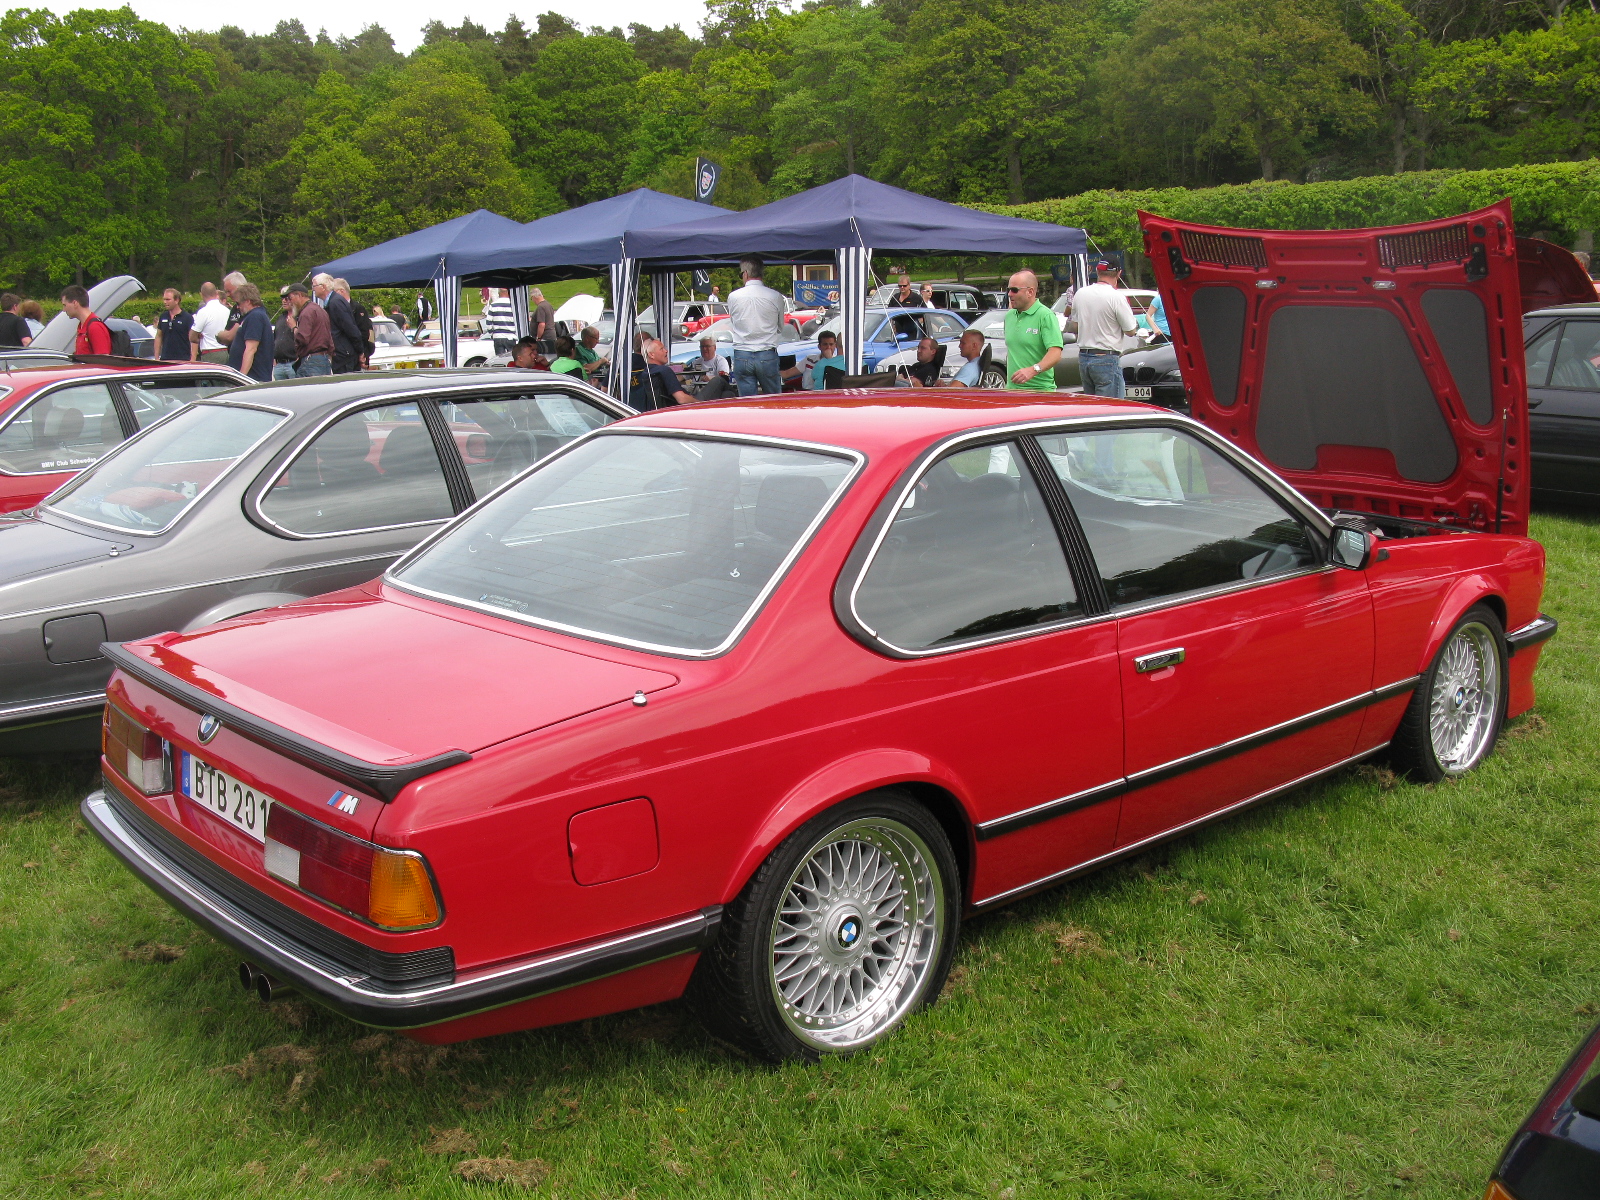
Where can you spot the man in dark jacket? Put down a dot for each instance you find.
(346, 337)
(283, 351)
(13, 329)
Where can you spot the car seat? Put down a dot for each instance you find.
(62, 427)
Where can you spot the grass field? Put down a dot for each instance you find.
(1356, 991)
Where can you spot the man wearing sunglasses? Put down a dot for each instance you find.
(1033, 337)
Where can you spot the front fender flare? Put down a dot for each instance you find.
(1462, 594)
(238, 606)
(836, 782)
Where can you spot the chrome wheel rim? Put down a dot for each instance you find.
(1465, 698)
(859, 926)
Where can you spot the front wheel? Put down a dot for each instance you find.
(1455, 714)
(845, 931)
(994, 377)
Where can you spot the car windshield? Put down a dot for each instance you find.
(152, 480)
(663, 542)
(388, 334)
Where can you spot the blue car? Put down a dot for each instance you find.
(890, 332)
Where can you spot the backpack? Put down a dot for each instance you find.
(121, 343)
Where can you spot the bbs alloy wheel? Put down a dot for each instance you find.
(845, 930)
(1455, 715)
(994, 377)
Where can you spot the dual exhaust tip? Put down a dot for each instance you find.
(253, 979)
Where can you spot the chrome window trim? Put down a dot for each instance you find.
(184, 587)
(856, 458)
(258, 490)
(1285, 494)
(198, 496)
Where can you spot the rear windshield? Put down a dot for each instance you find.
(664, 542)
(148, 484)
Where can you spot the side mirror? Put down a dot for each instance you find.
(1352, 547)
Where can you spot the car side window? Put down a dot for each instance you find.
(374, 468)
(939, 325)
(153, 399)
(885, 332)
(1539, 353)
(970, 553)
(501, 437)
(1577, 357)
(1166, 514)
(62, 430)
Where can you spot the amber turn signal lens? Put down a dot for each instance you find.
(1497, 1192)
(401, 894)
(141, 757)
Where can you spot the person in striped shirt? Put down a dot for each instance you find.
(500, 318)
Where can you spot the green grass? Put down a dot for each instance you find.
(1358, 990)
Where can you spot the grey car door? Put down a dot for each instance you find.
(1564, 407)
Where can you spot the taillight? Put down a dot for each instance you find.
(1497, 1191)
(142, 757)
(390, 888)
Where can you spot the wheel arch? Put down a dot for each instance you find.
(238, 606)
(925, 780)
(1469, 590)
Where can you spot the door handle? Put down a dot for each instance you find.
(1159, 661)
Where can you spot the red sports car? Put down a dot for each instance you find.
(756, 700)
(55, 420)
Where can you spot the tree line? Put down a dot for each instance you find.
(180, 154)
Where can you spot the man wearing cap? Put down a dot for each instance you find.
(1104, 318)
(1033, 337)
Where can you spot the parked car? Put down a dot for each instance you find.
(1563, 354)
(1555, 1155)
(472, 349)
(889, 332)
(688, 316)
(960, 298)
(247, 499)
(756, 700)
(992, 325)
(59, 417)
(60, 332)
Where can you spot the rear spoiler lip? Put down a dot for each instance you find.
(385, 780)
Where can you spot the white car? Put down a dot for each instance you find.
(395, 352)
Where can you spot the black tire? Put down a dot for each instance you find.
(736, 990)
(1426, 746)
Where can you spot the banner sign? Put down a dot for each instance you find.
(706, 174)
(818, 293)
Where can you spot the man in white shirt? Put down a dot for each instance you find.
(210, 320)
(710, 362)
(1104, 318)
(755, 315)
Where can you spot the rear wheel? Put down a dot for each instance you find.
(1455, 714)
(994, 377)
(845, 931)
(476, 362)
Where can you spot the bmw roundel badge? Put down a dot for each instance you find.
(208, 727)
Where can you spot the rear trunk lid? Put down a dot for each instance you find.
(1378, 370)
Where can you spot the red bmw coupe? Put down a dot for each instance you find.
(756, 700)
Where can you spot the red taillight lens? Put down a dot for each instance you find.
(390, 888)
(142, 757)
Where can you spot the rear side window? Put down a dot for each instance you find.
(939, 325)
(1540, 351)
(371, 469)
(153, 399)
(1166, 514)
(63, 430)
(1577, 357)
(971, 553)
(499, 439)
(1349, 376)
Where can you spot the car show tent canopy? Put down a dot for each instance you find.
(847, 221)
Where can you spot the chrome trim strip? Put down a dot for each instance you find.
(1164, 835)
(44, 708)
(1541, 628)
(184, 587)
(470, 992)
(198, 496)
(939, 450)
(858, 462)
(1050, 809)
(258, 490)
(120, 377)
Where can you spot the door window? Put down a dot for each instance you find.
(939, 325)
(63, 430)
(885, 332)
(1540, 351)
(368, 470)
(1166, 514)
(971, 553)
(502, 437)
(153, 399)
(1577, 357)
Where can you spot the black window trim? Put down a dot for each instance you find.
(1074, 545)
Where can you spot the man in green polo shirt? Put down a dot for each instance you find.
(1033, 337)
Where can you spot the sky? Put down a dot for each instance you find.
(403, 19)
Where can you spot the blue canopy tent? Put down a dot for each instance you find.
(847, 221)
(588, 241)
(430, 256)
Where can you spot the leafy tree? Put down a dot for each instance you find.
(666, 49)
(826, 116)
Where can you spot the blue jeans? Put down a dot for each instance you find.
(283, 370)
(1102, 373)
(756, 372)
(314, 364)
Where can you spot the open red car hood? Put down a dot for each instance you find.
(1377, 370)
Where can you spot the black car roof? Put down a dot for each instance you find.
(1563, 310)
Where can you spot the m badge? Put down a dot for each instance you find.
(345, 802)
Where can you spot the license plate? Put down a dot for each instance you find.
(1140, 393)
(223, 796)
